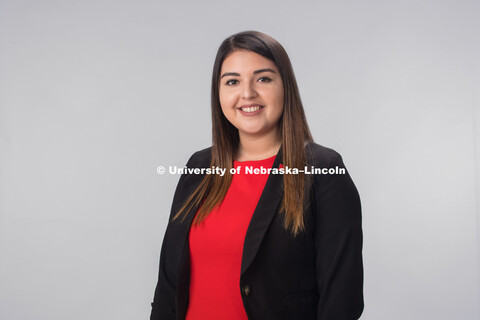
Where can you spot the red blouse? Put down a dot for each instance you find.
(216, 248)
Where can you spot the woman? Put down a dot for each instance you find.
(261, 246)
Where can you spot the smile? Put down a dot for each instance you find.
(250, 109)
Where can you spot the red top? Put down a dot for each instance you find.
(216, 248)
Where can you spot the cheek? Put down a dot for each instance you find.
(226, 106)
(279, 97)
(224, 109)
(222, 100)
(228, 101)
(225, 98)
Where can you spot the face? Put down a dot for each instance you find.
(251, 93)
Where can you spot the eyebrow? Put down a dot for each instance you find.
(254, 72)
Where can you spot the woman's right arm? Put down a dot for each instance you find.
(163, 305)
(164, 301)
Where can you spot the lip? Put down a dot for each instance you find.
(249, 105)
(250, 114)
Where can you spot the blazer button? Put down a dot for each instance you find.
(247, 290)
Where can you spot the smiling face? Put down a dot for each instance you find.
(251, 94)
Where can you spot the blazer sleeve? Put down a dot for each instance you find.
(163, 305)
(338, 245)
(164, 301)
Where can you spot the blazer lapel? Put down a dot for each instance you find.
(263, 215)
(184, 268)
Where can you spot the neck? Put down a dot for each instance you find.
(258, 147)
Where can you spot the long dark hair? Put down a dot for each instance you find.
(292, 124)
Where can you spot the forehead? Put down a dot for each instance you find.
(246, 61)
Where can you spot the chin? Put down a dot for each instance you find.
(253, 132)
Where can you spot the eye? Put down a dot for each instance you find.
(231, 82)
(264, 79)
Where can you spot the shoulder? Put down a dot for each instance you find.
(316, 154)
(188, 181)
(319, 155)
(200, 158)
(337, 183)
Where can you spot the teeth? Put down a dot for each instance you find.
(251, 109)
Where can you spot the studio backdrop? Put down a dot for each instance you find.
(95, 95)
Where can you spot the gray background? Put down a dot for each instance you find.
(94, 95)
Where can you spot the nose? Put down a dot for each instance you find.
(248, 90)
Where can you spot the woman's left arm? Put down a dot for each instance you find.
(338, 244)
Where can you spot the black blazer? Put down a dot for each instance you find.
(317, 275)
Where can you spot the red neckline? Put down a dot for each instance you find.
(256, 161)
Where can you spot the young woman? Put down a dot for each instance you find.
(277, 234)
